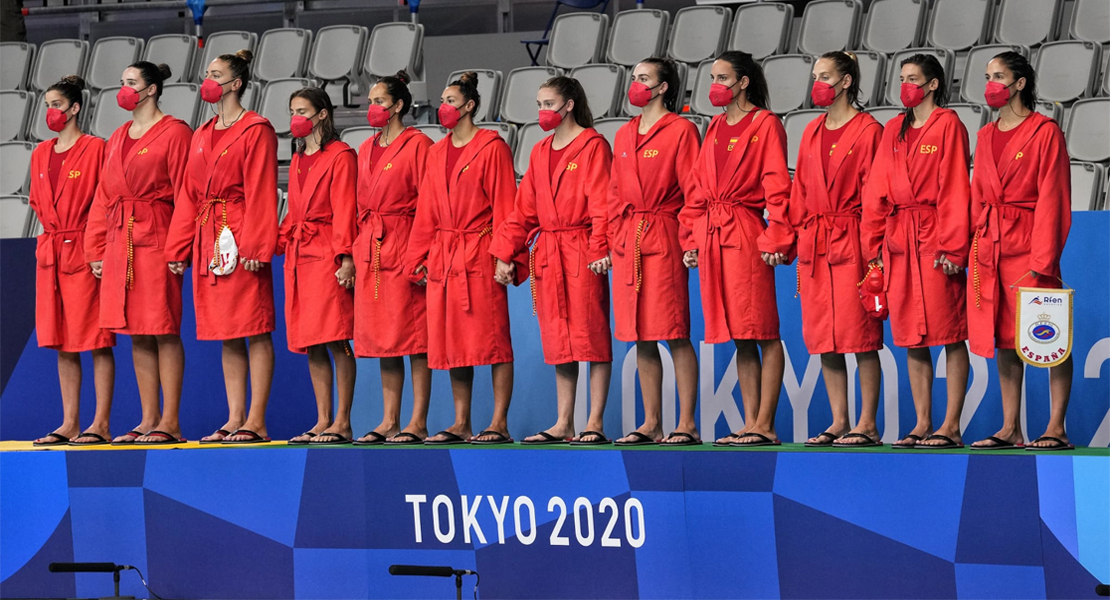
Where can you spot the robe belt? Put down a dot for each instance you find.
(375, 221)
(825, 223)
(557, 264)
(642, 227)
(990, 225)
(456, 236)
(203, 214)
(303, 231)
(123, 211)
(911, 243)
(56, 236)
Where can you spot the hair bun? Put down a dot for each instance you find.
(469, 78)
(851, 55)
(246, 55)
(73, 80)
(164, 71)
(403, 77)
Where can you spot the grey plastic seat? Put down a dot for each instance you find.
(15, 167)
(107, 116)
(336, 57)
(1067, 70)
(109, 57)
(56, 59)
(974, 117)
(761, 29)
(1088, 130)
(872, 74)
(789, 80)
(182, 100)
(433, 131)
(15, 216)
(1026, 22)
(699, 121)
(577, 39)
(1087, 180)
(608, 128)
(175, 51)
(894, 72)
(17, 106)
(527, 137)
(518, 99)
(218, 44)
(603, 84)
(973, 82)
(631, 111)
(396, 46)
(883, 114)
(1052, 110)
(829, 25)
(273, 104)
(283, 204)
(16, 62)
(636, 35)
(1090, 20)
(894, 25)
(795, 124)
(958, 24)
(698, 33)
(250, 95)
(355, 136)
(282, 53)
(1106, 80)
(699, 97)
(507, 131)
(489, 90)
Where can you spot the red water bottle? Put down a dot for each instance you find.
(871, 294)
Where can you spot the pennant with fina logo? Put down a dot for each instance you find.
(1044, 325)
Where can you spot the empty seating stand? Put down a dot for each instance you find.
(17, 108)
(392, 47)
(698, 33)
(1090, 21)
(336, 58)
(795, 125)
(577, 39)
(527, 137)
(182, 100)
(789, 80)
(109, 57)
(282, 53)
(1087, 180)
(56, 59)
(15, 166)
(872, 73)
(761, 29)
(829, 25)
(636, 35)
(1067, 70)
(894, 25)
(1088, 130)
(1026, 22)
(534, 47)
(219, 44)
(604, 85)
(518, 100)
(107, 116)
(958, 24)
(16, 62)
(175, 51)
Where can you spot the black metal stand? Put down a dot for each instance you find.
(458, 585)
(115, 580)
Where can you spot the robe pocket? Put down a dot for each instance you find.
(842, 246)
(393, 249)
(434, 262)
(894, 240)
(478, 259)
(806, 239)
(44, 251)
(72, 257)
(151, 224)
(1016, 236)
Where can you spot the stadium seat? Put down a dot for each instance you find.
(789, 80)
(894, 25)
(336, 55)
(795, 125)
(829, 25)
(894, 72)
(604, 85)
(1106, 79)
(1088, 130)
(182, 100)
(16, 61)
(396, 46)
(884, 114)
(636, 35)
(1026, 22)
(609, 127)
(958, 24)
(699, 97)
(218, 44)
(518, 98)
(1087, 180)
(15, 216)
(577, 39)
(872, 73)
(273, 104)
(1090, 21)
(250, 95)
(507, 131)
(109, 57)
(355, 136)
(433, 131)
(1067, 70)
(631, 111)
(699, 121)
(106, 115)
(528, 136)
(282, 54)
(283, 204)
(489, 90)
(698, 33)
(1052, 110)
(974, 118)
(972, 81)
(56, 59)
(18, 105)
(15, 167)
(534, 46)
(175, 51)
(761, 29)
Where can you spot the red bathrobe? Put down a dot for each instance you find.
(468, 311)
(317, 232)
(67, 295)
(916, 208)
(234, 182)
(1020, 214)
(824, 214)
(391, 314)
(127, 229)
(566, 216)
(653, 176)
(725, 222)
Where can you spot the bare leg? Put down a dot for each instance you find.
(835, 372)
(502, 374)
(104, 377)
(236, 366)
(748, 377)
(462, 390)
(959, 366)
(870, 373)
(566, 388)
(421, 394)
(171, 369)
(601, 374)
(649, 364)
(320, 372)
(144, 354)
(919, 364)
(1011, 371)
(345, 371)
(262, 376)
(69, 379)
(1059, 380)
(393, 387)
(770, 386)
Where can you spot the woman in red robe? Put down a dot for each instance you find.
(915, 228)
(64, 175)
(125, 245)
(229, 194)
(1020, 215)
(654, 174)
(316, 238)
(741, 171)
(391, 314)
(561, 209)
(466, 193)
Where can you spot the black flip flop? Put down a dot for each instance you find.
(311, 436)
(688, 440)
(998, 444)
(824, 434)
(410, 439)
(900, 446)
(222, 432)
(333, 439)
(451, 440)
(253, 439)
(376, 439)
(100, 441)
(57, 439)
(731, 436)
(641, 440)
(949, 443)
(500, 439)
(166, 439)
(763, 441)
(601, 441)
(1057, 444)
(548, 440)
(134, 433)
(870, 443)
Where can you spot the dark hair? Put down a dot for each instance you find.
(931, 69)
(397, 86)
(570, 89)
(846, 65)
(667, 72)
(1020, 67)
(70, 87)
(240, 66)
(319, 100)
(153, 74)
(745, 66)
(468, 87)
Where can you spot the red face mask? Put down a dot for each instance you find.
(449, 115)
(823, 94)
(56, 119)
(128, 97)
(550, 119)
(996, 94)
(912, 94)
(211, 91)
(639, 94)
(300, 127)
(378, 115)
(721, 94)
